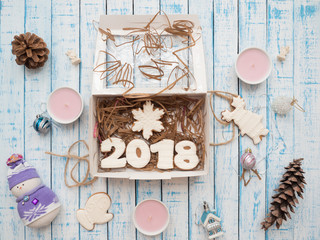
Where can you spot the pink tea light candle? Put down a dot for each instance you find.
(253, 65)
(151, 217)
(65, 105)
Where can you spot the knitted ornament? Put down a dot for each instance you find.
(38, 205)
(292, 184)
(283, 105)
(30, 50)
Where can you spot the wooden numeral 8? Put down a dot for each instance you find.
(186, 157)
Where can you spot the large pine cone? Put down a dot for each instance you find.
(30, 50)
(292, 184)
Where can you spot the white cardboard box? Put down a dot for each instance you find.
(99, 89)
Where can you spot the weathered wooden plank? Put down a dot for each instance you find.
(252, 32)
(280, 142)
(122, 191)
(65, 36)
(202, 188)
(306, 125)
(144, 188)
(89, 10)
(12, 113)
(225, 51)
(37, 88)
(175, 191)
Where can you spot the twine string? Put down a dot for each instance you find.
(295, 104)
(70, 156)
(227, 96)
(94, 24)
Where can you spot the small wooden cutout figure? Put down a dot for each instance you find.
(147, 120)
(283, 52)
(73, 57)
(211, 222)
(248, 122)
(95, 211)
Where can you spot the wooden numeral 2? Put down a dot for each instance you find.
(138, 154)
(114, 160)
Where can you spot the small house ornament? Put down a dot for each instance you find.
(211, 222)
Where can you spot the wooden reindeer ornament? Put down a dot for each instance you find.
(248, 122)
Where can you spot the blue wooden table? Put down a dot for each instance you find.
(228, 27)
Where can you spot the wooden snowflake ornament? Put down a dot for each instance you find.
(147, 120)
(248, 122)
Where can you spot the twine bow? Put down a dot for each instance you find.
(69, 156)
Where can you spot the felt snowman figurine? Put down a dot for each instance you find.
(38, 205)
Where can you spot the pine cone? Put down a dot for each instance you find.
(292, 183)
(30, 50)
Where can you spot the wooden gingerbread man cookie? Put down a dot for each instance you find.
(248, 122)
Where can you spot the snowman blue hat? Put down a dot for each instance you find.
(19, 170)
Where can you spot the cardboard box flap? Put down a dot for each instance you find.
(116, 24)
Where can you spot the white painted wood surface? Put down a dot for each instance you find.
(228, 26)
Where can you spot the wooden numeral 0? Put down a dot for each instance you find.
(165, 153)
(186, 157)
(114, 160)
(138, 153)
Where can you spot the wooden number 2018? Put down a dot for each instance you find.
(138, 154)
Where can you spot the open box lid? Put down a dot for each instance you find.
(100, 88)
(116, 24)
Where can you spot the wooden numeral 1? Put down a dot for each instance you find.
(138, 153)
(114, 160)
(165, 150)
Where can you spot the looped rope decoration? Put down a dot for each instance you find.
(227, 96)
(69, 156)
